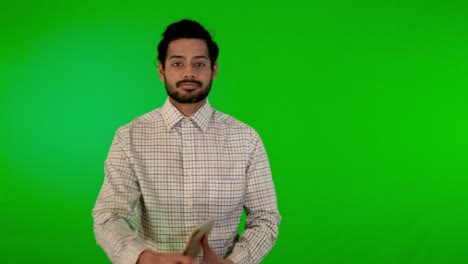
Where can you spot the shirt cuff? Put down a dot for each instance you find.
(133, 252)
(238, 257)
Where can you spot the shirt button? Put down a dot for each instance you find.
(188, 173)
(189, 204)
(188, 143)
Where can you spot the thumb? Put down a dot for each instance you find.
(184, 259)
(204, 242)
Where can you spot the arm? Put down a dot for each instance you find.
(261, 227)
(115, 213)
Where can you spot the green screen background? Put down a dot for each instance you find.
(362, 107)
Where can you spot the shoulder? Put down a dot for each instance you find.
(141, 123)
(149, 118)
(220, 118)
(234, 126)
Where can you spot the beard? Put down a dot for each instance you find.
(188, 97)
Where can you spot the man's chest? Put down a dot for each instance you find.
(191, 171)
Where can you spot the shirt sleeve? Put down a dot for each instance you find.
(115, 214)
(263, 218)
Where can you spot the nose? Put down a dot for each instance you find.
(188, 73)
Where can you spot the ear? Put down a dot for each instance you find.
(215, 71)
(161, 72)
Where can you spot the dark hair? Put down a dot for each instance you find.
(187, 29)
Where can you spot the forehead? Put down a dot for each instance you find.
(187, 48)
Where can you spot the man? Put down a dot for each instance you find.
(177, 166)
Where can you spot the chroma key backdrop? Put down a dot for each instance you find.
(362, 107)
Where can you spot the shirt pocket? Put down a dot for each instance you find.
(226, 189)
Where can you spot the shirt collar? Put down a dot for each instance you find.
(172, 115)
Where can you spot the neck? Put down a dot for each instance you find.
(188, 109)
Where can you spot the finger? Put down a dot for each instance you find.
(184, 260)
(204, 242)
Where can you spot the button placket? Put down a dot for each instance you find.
(188, 161)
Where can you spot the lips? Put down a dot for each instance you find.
(189, 84)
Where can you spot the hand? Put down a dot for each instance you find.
(209, 256)
(148, 257)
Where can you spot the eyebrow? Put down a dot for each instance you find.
(183, 57)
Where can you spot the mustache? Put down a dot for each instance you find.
(188, 81)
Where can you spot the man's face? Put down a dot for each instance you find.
(187, 74)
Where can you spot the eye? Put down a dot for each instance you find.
(200, 64)
(177, 64)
